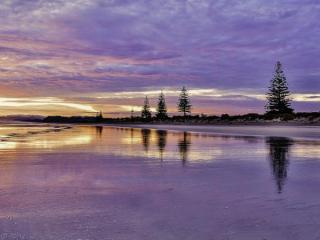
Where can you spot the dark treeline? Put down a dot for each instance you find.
(278, 106)
(309, 117)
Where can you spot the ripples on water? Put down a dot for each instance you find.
(95, 158)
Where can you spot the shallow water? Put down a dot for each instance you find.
(58, 182)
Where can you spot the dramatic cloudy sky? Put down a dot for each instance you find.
(79, 56)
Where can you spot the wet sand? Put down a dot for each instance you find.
(239, 130)
(128, 183)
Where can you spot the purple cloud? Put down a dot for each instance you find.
(226, 45)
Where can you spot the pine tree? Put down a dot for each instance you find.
(184, 104)
(162, 107)
(99, 116)
(146, 112)
(279, 95)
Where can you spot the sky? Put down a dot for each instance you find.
(81, 56)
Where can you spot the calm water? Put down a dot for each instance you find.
(58, 182)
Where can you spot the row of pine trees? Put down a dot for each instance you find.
(278, 99)
(184, 106)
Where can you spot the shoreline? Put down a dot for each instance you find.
(305, 124)
(221, 123)
(281, 131)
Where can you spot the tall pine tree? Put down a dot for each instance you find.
(146, 112)
(162, 107)
(184, 104)
(279, 95)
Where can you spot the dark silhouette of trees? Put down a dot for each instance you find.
(184, 104)
(225, 117)
(279, 95)
(146, 112)
(278, 153)
(162, 107)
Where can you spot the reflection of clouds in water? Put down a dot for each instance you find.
(193, 147)
(46, 137)
(169, 154)
(151, 143)
(50, 143)
(303, 149)
(162, 144)
(4, 145)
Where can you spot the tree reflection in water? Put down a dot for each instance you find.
(278, 153)
(184, 147)
(145, 136)
(161, 141)
(99, 130)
